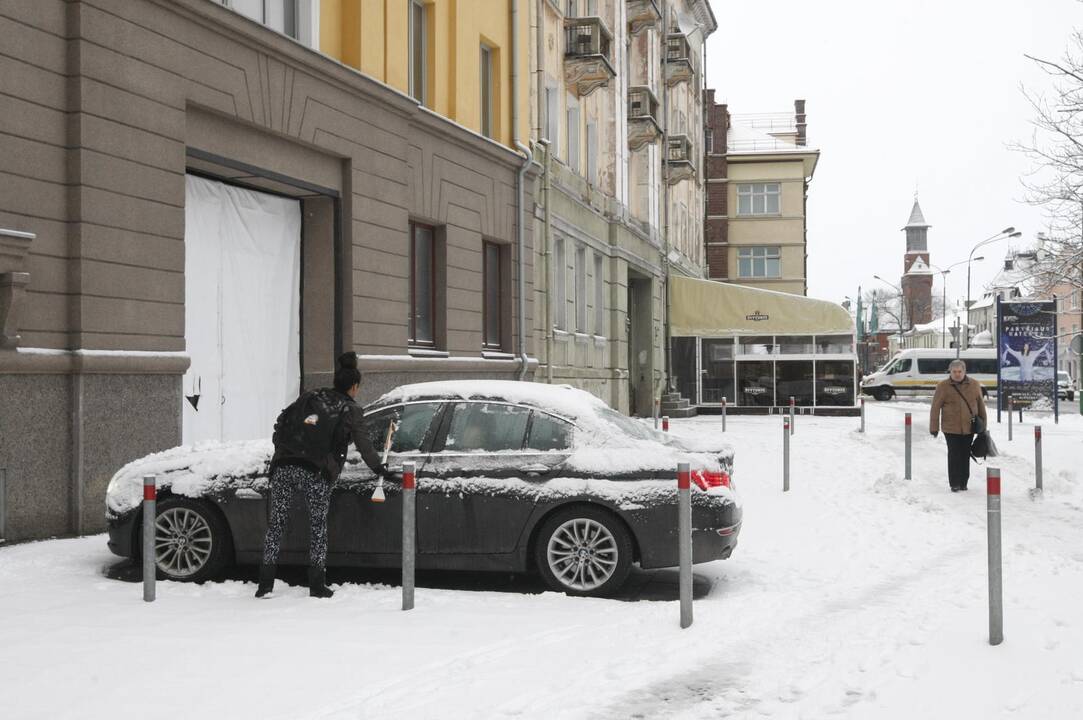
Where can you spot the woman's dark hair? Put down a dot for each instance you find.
(346, 373)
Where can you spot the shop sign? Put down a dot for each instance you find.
(835, 390)
(757, 316)
(755, 390)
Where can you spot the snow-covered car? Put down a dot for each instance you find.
(511, 476)
(1065, 386)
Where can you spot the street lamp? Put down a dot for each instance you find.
(944, 301)
(1008, 232)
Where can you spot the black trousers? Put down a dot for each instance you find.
(958, 458)
(285, 481)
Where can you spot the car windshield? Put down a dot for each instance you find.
(1064, 376)
(629, 426)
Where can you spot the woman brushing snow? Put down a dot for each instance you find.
(958, 408)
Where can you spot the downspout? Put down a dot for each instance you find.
(665, 201)
(528, 158)
(547, 167)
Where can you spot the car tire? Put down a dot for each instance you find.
(192, 540)
(579, 569)
(883, 393)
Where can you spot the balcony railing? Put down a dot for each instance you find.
(643, 126)
(642, 14)
(679, 66)
(587, 54)
(679, 158)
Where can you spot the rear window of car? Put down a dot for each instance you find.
(486, 427)
(548, 433)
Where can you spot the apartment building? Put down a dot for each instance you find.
(617, 116)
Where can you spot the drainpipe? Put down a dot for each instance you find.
(665, 202)
(528, 158)
(547, 185)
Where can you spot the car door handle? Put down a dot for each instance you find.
(535, 469)
(247, 494)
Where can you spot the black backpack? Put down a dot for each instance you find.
(310, 428)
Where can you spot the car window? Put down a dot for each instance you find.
(983, 366)
(933, 366)
(486, 427)
(548, 433)
(901, 366)
(413, 422)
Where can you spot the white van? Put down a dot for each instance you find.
(918, 370)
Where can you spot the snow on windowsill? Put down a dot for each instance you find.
(426, 353)
(102, 353)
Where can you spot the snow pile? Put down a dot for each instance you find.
(560, 399)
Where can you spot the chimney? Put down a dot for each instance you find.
(800, 122)
(724, 130)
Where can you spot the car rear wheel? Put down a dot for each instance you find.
(584, 551)
(190, 540)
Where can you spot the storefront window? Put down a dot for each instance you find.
(757, 345)
(835, 344)
(756, 383)
(795, 379)
(795, 344)
(684, 367)
(717, 360)
(835, 383)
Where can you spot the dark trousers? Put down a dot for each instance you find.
(285, 481)
(958, 458)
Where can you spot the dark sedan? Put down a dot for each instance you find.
(513, 477)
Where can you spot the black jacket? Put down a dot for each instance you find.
(350, 429)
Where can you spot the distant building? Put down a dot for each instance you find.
(917, 279)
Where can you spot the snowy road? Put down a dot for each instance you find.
(855, 595)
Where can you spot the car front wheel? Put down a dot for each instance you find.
(190, 540)
(584, 551)
(882, 393)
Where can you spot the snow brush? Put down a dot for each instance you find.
(378, 493)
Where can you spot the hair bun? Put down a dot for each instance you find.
(348, 360)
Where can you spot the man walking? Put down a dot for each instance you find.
(311, 438)
(958, 408)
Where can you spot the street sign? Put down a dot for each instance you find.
(1077, 345)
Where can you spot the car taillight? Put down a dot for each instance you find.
(709, 478)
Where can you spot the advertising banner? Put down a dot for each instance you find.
(1027, 354)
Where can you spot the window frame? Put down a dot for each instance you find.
(488, 280)
(560, 281)
(752, 191)
(748, 253)
(599, 295)
(486, 78)
(413, 339)
(580, 273)
(418, 15)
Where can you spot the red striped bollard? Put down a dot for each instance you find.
(909, 432)
(996, 599)
(665, 423)
(684, 538)
(150, 569)
(409, 534)
(793, 423)
(1038, 458)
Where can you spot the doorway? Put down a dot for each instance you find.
(640, 346)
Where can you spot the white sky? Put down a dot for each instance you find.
(902, 94)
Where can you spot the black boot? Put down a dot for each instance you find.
(317, 585)
(266, 580)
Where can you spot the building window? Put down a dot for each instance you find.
(708, 140)
(599, 296)
(759, 262)
(492, 309)
(573, 133)
(419, 37)
(422, 285)
(486, 91)
(571, 8)
(552, 119)
(592, 153)
(298, 19)
(581, 290)
(560, 280)
(758, 199)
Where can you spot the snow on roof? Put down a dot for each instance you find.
(742, 138)
(917, 218)
(560, 399)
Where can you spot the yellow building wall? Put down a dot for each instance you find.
(372, 36)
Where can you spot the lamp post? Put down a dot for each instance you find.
(944, 301)
(1008, 232)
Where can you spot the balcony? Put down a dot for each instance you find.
(642, 14)
(678, 60)
(587, 54)
(679, 159)
(643, 124)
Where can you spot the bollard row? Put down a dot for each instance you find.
(150, 569)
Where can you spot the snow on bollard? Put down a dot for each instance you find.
(793, 424)
(785, 454)
(150, 502)
(909, 428)
(409, 534)
(665, 423)
(862, 415)
(1038, 458)
(723, 414)
(996, 600)
(684, 538)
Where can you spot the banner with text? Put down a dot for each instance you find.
(1027, 354)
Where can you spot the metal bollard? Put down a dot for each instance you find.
(656, 412)
(996, 600)
(1011, 410)
(793, 424)
(723, 414)
(665, 423)
(3, 502)
(1038, 457)
(150, 509)
(684, 538)
(785, 454)
(409, 534)
(862, 415)
(909, 433)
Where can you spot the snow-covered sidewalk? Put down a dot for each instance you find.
(857, 594)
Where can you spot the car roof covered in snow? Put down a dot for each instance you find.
(559, 399)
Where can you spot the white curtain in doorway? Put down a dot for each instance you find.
(242, 270)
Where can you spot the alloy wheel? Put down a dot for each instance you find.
(582, 554)
(182, 541)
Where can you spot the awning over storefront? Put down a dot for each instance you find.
(706, 308)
